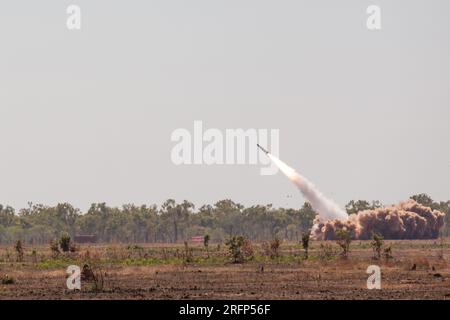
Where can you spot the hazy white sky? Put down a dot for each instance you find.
(86, 116)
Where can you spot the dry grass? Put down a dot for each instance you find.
(159, 272)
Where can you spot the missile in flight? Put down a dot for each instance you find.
(264, 150)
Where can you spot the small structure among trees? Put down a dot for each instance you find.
(87, 238)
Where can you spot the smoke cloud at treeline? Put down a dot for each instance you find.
(407, 220)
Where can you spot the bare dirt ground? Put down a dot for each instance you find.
(418, 270)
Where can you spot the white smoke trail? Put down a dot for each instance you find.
(326, 208)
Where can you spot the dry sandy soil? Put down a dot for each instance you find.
(417, 271)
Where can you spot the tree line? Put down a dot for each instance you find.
(172, 222)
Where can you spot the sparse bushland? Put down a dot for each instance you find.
(54, 247)
(64, 243)
(170, 222)
(240, 249)
(94, 274)
(98, 278)
(345, 238)
(377, 245)
(19, 250)
(380, 249)
(441, 245)
(387, 252)
(158, 271)
(305, 242)
(188, 255)
(34, 257)
(237, 250)
(206, 239)
(93, 270)
(272, 249)
(326, 252)
(112, 270)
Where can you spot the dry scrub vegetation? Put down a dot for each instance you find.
(415, 269)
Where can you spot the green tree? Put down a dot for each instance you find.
(19, 250)
(344, 240)
(64, 243)
(178, 216)
(377, 245)
(305, 242)
(239, 248)
(423, 199)
(354, 207)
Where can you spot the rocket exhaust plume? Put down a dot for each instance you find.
(325, 207)
(407, 220)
